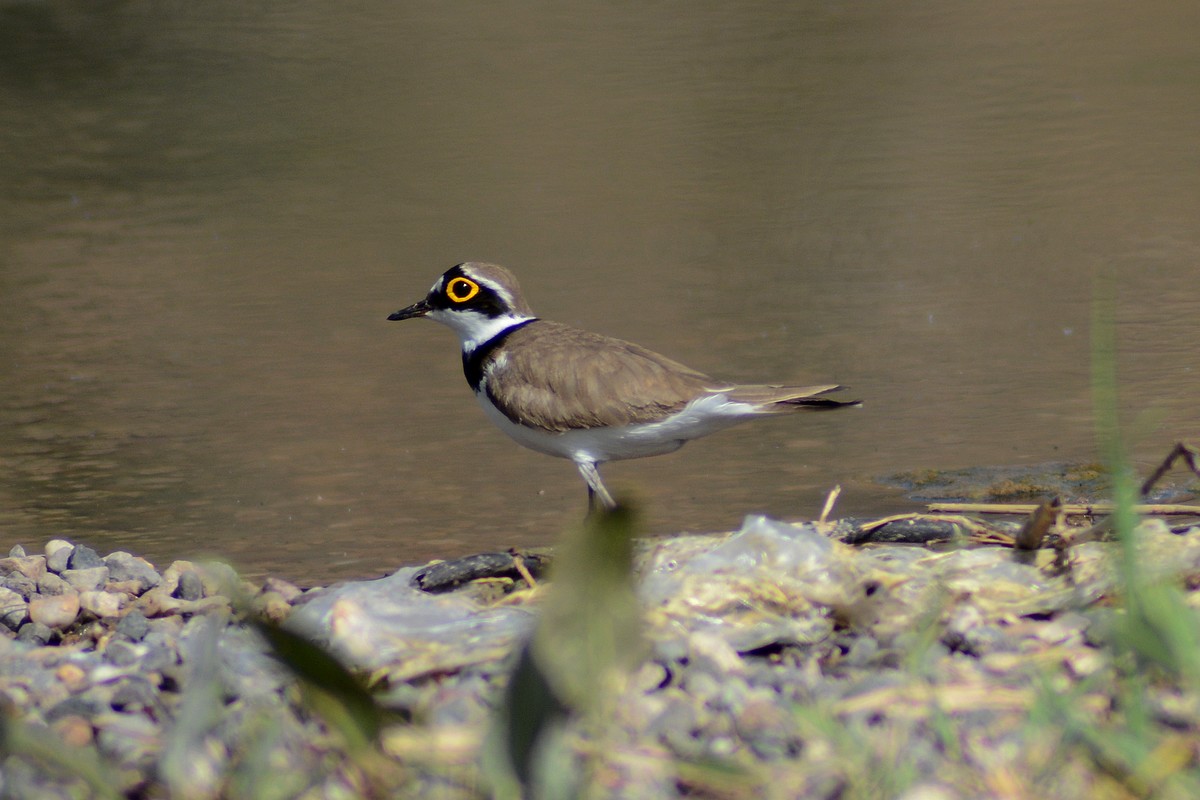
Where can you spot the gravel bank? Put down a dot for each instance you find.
(775, 662)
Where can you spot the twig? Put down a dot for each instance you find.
(519, 566)
(1072, 509)
(1190, 456)
(828, 507)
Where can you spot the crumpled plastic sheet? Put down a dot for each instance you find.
(389, 624)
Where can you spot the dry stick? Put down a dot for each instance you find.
(1074, 509)
(966, 522)
(1190, 456)
(523, 571)
(829, 501)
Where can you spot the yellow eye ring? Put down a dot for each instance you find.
(460, 290)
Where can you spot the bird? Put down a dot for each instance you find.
(584, 396)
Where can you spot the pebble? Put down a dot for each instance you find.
(32, 567)
(54, 611)
(190, 586)
(101, 604)
(58, 552)
(19, 584)
(86, 579)
(124, 566)
(72, 676)
(74, 730)
(35, 633)
(51, 583)
(133, 626)
(13, 608)
(84, 557)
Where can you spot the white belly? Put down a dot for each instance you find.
(701, 417)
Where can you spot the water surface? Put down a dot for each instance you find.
(209, 210)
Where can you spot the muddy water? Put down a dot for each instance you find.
(208, 211)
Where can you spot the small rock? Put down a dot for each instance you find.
(123, 653)
(32, 567)
(84, 557)
(289, 591)
(74, 730)
(83, 707)
(54, 611)
(273, 606)
(35, 633)
(131, 740)
(133, 626)
(132, 589)
(17, 551)
(124, 566)
(19, 584)
(101, 604)
(136, 694)
(191, 586)
(13, 609)
(52, 584)
(72, 676)
(58, 551)
(86, 579)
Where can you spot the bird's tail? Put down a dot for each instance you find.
(781, 399)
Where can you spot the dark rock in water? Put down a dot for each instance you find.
(133, 626)
(191, 586)
(84, 557)
(123, 566)
(35, 633)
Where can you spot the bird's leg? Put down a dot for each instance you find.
(596, 490)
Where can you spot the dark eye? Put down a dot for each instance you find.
(460, 290)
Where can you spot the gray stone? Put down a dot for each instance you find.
(35, 633)
(52, 584)
(17, 551)
(86, 579)
(13, 609)
(133, 626)
(19, 584)
(58, 552)
(191, 586)
(124, 653)
(75, 706)
(123, 566)
(84, 557)
(136, 694)
(130, 740)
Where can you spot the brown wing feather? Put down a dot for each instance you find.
(559, 378)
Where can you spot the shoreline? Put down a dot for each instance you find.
(795, 660)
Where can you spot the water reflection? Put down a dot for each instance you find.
(208, 210)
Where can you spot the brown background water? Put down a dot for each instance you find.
(209, 209)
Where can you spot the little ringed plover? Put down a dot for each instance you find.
(580, 395)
